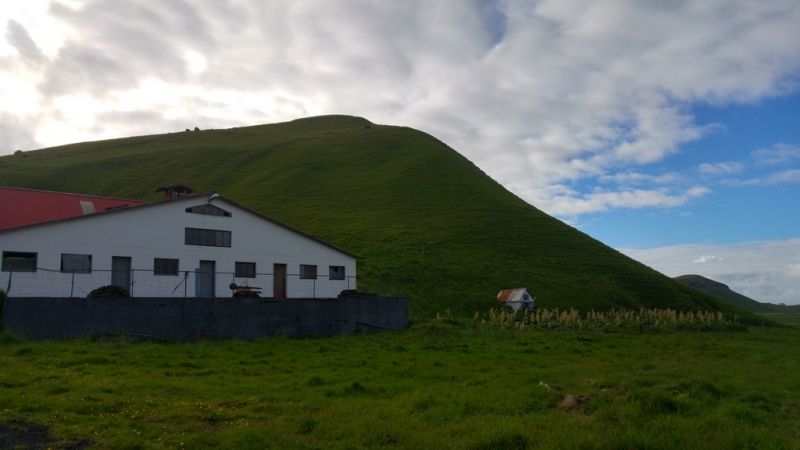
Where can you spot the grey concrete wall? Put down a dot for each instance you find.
(201, 318)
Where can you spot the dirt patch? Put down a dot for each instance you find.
(19, 434)
(571, 402)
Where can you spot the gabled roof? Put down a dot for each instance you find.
(511, 295)
(193, 198)
(19, 207)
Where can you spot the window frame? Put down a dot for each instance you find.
(4, 263)
(244, 274)
(159, 270)
(332, 275)
(207, 237)
(305, 271)
(88, 258)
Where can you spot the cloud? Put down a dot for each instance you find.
(766, 271)
(720, 168)
(706, 258)
(601, 201)
(633, 178)
(784, 176)
(778, 154)
(17, 36)
(13, 129)
(540, 95)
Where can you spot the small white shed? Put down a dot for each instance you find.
(516, 298)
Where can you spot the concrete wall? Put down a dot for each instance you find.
(199, 318)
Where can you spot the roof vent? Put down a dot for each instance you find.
(175, 191)
(87, 207)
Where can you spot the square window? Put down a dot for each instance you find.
(76, 263)
(336, 273)
(308, 272)
(245, 270)
(19, 262)
(165, 266)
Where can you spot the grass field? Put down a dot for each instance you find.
(442, 384)
(790, 319)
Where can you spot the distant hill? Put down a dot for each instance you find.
(424, 219)
(724, 293)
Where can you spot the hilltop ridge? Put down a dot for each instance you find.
(726, 294)
(423, 218)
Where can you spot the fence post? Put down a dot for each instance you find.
(72, 286)
(185, 282)
(133, 280)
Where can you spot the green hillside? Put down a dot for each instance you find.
(421, 216)
(723, 292)
(781, 313)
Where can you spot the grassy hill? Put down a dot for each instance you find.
(782, 313)
(421, 216)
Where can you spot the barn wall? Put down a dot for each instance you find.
(157, 231)
(201, 318)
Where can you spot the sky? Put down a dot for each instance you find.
(669, 130)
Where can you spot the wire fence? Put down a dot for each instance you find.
(148, 283)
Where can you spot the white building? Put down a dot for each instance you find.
(516, 298)
(195, 246)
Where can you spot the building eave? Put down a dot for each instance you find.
(194, 197)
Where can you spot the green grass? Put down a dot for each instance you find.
(789, 319)
(424, 219)
(446, 384)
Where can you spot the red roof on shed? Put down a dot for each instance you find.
(20, 206)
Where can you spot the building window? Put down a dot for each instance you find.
(19, 262)
(336, 273)
(76, 263)
(208, 210)
(210, 238)
(308, 272)
(245, 270)
(165, 266)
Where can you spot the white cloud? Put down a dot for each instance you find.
(562, 201)
(720, 168)
(784, 176)
(538, 94)
(707, 258)
(764, 271)
(197, 62)
(778, 154)
(632, 178)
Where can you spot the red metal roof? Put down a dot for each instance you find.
(510, 295)
(27, 206)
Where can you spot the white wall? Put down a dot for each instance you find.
(157, 231)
